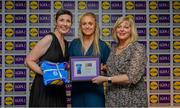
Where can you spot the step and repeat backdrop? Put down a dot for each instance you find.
(24, 22)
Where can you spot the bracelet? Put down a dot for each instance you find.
(109, 80)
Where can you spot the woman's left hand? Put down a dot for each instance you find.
(99, 79)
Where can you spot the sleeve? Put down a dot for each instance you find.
(137, 65)
(105, 53)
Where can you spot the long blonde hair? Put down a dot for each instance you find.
(96, 50)
(134, 35)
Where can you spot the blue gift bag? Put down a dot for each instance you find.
(54, 72)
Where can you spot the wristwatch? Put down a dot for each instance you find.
(109, 80)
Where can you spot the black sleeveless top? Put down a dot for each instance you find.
(51, 95)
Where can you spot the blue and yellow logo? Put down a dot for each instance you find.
(176, 45)
(57, 4)
(176, 85)
(9, 32)
(106, 32)
(8, 100)
(82, 5)
(176, 5)
(129, 5)
(176, 72)
(33, 4)
(153, 31)
(9, 45)
(153, 58)
(32, 44)
(9, 73)
(8, 87)
(153, 5)
(154, 45)
(176, 58)
(9, 5)
(9, 18)
(106, 18)
(154, 85)
(153, 18)
(176, 98)
(34, 32)
(153, 72)
(176, 31)
(9, 59)
(176, 18)
(33, 18)
(105, 5)
(154, 98)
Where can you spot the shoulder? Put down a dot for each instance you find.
(139, 47)
(75, 40)
(47, 38)
(102, 43)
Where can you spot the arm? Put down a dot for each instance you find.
(134, 72)
(38, 51)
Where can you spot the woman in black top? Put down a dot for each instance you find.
(53, 47)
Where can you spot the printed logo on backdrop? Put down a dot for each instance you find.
(159, 33)
(176, 33)
(40, 19)
(153, 99)
(33, 6)
(176, 46)
(176, 86)
(159, 19)
(15, 6)
(159, 59)
(70, 5)
(14, 60)
(15, 20)
(20, 88)
(20, 101)
(160, 86)
(15, 47)
(111, 6)
(92, 6)
(159, 6)
(176, 19)
(176, 99)
(15, 74)
(176, 72)
(142, 32)
(159, 46)
(176, 59)
(8, 88)
(32, 44)
(8, 101)
(159, 73)
(176, 6)
(15, 33)
(136, 6)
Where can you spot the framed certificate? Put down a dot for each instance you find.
(84, 68)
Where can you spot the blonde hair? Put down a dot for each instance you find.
(96, 50)
(134, 35)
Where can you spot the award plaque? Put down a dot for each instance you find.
(84, 68)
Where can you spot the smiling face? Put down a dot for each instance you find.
(88, 25)
(123, 31)
(63, 23)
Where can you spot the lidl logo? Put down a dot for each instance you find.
(176, 5)
(153, 72)
(8, 100)
(57, 4)
(9, 18)
(129, 5)
(9, 73)
(154, 58)
(176, 45)
(153, 18)
(176, 72)
(106, 32)
(176, 31)
(9, 5)
(153, 31)
(34, 32)
(154, 98)
(9, 32)
(8, 87)
(154, 85)
(33, 18)
(153, 5)
(33, 4)
(82, 5)
(9, 45)
(9, 59)
(106, 5)
(176, 58)
(106, 18)
(176, 85)
(154, 45)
